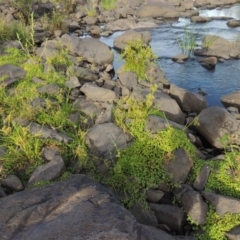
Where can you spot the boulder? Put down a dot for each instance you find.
(96, 93)
(202, 178)
(209, 62)
(12, 182)
(170, 215)
(233, 23)
(215, 122)
(215, 46)
(10, 74)
(154, 196)
(104, 139)
(77, 208)
(120, 25)
(128, 80)
(223, 204)
(200, 19)
(162, 102)
(179, 167)
(90, 49)
(188, 101)
(122, 40)
(195, 207)
(231, 99)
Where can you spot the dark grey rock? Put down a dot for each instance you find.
(49, 89)
(223, 204)
(83, 74)
(179, 167)
(73, 82)
(12, 182)
(50, 154)
(209, 63)
(233, 234)
(195, 207)
(90, 49)
(178, 192)
(188, 101)
(96, 93)
(154, 196)
(143, 215)
(155, 124)
(104, 139)
(10, 74)
(172, 216)
(214, 123)
(48, 171)
(202, 178)
(2, 193)
(106, 116)
(74, 209)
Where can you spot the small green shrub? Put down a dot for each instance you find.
(137, 57)
(109, 4)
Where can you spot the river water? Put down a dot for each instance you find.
(224, 79)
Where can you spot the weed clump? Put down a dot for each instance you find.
(137, 57)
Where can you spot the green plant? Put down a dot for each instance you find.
(188, 41)
(28, 44)
(141, 165)
(216, 226)
(208, 40)
(137, 57)
(109, 4)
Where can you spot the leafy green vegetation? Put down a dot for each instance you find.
(137, 57)
(108, 4)
(141, 166)
(216, 226)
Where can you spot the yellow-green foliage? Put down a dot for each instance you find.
(108, 4)
(216, 226)
(25, 150)
(137, 57)
(142, 164)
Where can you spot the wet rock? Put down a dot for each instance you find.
(233, 23)
(223, 204)
(11, 74)
(188, 101)
(12, 182)
(200, 19)
(214, 123)
(143, 215)
(209, 63)
(179, 167)
(180, 58)
(89, 49)
(104, 139)
(154, 196)
(231, 99)
(172, 216)
(96, 93)
(122, 40)
(65, 210)
(233, 234)
(195, 207)
(202, 178)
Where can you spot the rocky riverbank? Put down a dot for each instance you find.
(155, 147)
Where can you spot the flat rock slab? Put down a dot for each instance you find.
(223, 204)
(74, 209)
(232, 99)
